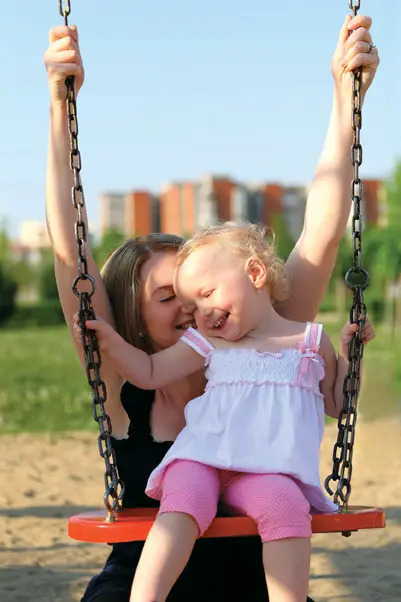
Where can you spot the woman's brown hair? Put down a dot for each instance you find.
(121, 275)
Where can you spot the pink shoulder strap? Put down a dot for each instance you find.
(194, 339)
(313, 334)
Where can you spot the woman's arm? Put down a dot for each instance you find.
(311, 263)
(63, 59)
(143, 370)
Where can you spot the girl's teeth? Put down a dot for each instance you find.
(219, 323)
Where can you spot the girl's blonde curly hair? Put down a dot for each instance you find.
(246, 240)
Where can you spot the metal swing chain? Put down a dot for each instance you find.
(357, 279)
(114, 488)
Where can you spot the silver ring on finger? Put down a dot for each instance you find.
(371, 47)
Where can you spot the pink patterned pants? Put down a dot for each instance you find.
(273, 501)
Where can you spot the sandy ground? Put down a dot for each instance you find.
(46, 479)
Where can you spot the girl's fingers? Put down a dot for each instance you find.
(369, 332)
(92, 324)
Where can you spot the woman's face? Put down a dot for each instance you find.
(164, 316)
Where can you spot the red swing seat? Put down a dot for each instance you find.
(133, 524)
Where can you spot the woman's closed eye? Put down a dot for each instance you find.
(166, 299)
(207, 294)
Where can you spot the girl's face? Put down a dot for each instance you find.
(163, 314)
(222, 290)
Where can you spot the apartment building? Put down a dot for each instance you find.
(183, 207)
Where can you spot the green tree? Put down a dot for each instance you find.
(8, 292)
(47, 287)
(8, 282)
(382, 252)
(111, 239)
(5, 250)
(283, 239)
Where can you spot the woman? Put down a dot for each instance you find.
(137, 297)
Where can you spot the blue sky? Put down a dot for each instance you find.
(178, 89)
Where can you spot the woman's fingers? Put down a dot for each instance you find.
(65, 43)
(63, 59)
(355, 49)
(351, 25)
(362, 60)
(344, 31)
(360, 35)
(63, 50)
(65, 69)
(359, 21)
(359, 48)
(62, 31)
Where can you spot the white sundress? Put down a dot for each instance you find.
(261, 412)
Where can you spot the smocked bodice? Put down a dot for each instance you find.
(227, 366)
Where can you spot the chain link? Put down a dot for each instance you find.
(357, 279)
(355, 6)
(64, 12)
(114, 487)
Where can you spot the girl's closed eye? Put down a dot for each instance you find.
(207, 294)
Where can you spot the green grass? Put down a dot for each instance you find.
(381, 385)
(43, 387)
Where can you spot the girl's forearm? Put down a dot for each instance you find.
(131, 363)
(61, 214)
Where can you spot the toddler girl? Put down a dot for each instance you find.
(252, 440)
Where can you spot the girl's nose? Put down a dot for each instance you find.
(206, 311)
(185, 307)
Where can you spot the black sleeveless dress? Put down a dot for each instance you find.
(219, 570)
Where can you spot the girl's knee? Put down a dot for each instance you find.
(275, 503)
(284, 512)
